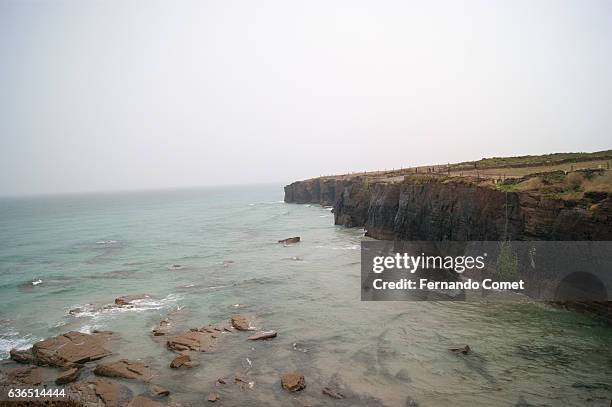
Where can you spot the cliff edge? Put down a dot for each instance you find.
(551, 197)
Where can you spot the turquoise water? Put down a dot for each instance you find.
(212, 252)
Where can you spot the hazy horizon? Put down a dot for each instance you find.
(140, 95)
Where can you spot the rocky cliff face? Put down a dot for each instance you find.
(440, 208)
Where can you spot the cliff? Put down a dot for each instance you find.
(542, 206)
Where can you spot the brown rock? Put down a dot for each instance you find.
(212, 397)
(240, 322)
(142, 401)
(112, 393)
(159, 391)
(293, 381)
(68, 376)
(179, 361)
(191, 340)
(22, 356)
(290, 240)
(27, 376)
(221, 380)
(128, 299)
(69, 349)
(262, 335)
(124, 368)
(463, 348)
(85, 393)
(332, 393)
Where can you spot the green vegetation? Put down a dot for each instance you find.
(561, 185)
(532, 160)
(507, 262)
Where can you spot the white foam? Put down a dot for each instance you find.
(106, 242)
(36, 282)
(112, 310)
(11, 340)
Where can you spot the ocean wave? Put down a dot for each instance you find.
(111, 310)
(12, 340)
(106, 242)
(36, 282)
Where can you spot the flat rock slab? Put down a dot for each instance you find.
(24, 376)
(293, 381)
(70, 348)
(124, 368)
(100, 392)
(142, 401)
(192, 340)
(263, 335)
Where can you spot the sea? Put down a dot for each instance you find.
(204, 254)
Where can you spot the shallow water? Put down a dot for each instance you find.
(89, 249)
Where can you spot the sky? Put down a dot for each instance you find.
(120, 95)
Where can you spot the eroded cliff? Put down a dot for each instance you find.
(437, 207)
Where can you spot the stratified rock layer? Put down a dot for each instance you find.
(441, 208)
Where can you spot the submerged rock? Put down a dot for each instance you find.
(70, 348)
(128, 299)
(262, 335)
(293, 381)
(462, 348)
(158, 391)
(68, 376)
(192, 340)
(290, 240)
(328, 391)
(124, 368)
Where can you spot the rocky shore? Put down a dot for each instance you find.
(94, 373)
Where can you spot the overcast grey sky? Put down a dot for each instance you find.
(110, 95)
